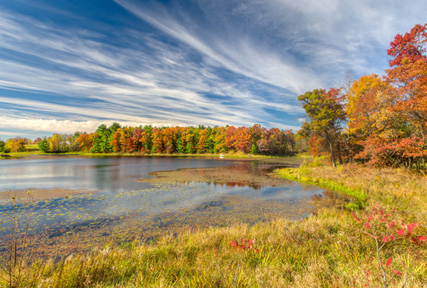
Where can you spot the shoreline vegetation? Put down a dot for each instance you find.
(332, 248)
(255, 140)
(28, 154)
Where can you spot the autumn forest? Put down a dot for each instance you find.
(375, 120)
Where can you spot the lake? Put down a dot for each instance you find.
(146, 197)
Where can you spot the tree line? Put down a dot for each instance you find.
(169, 140)
(375, 120)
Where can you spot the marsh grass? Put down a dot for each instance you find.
(15, 228)
(320, 251)
(305, 175)
(328, 249)
(392, 188)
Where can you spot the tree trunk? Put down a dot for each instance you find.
(332, 154)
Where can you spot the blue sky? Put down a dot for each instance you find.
(70, 65)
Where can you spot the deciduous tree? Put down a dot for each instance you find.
(326, 115)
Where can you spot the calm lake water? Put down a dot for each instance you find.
(109, 174)
(153, 206)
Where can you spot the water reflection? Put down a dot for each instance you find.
(197, 193)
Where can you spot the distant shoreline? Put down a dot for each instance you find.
(38, 154)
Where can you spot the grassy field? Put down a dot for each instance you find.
(381, 244)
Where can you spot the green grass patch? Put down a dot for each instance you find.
(32, 147)
(303, 175)
(22, 154)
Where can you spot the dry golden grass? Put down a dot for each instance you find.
(389, 187)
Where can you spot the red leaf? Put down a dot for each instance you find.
(370, 218)
(422, 238)
(367, 225)
(411, 227)
(401, 232)
(388, 263)
(385, 239)
(398, 273)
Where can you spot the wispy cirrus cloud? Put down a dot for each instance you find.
(163, 86)
(206, 62)
(28, 126)
(238, 53)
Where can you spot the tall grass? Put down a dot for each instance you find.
(15, 228)
(392, 188)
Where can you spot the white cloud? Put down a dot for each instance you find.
(60, 126)
(48, 107)
(5, 133)
(230, 63)
(238, 54)
(124, 87)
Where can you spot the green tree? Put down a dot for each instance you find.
(254, 149)
(2, 146)
(326, 113)
(44, 146)
(102, 141)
